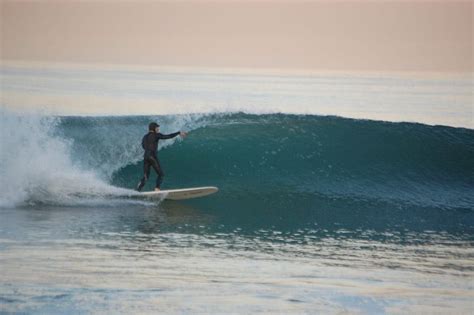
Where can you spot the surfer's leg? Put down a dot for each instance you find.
(159, 171)
(146, 174)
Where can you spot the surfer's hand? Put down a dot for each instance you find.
(183, 134)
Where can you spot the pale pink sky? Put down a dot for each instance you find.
(314, 35)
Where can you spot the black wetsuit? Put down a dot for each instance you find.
(150, 158)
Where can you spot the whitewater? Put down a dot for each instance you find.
(338, 193)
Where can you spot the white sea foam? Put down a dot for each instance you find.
(35, 166)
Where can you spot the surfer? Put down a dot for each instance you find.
(150, 158)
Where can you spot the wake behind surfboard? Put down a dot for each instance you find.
(178, 194)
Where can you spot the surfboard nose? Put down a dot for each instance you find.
(179, 194)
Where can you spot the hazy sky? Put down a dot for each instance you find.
(314, 35)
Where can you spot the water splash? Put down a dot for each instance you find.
(36, 165)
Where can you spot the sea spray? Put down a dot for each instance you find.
(36, 166)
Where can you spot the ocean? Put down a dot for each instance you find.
(316, 213)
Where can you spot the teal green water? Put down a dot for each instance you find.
(291, 171)
(313, 213)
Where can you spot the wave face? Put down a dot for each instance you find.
(290, 170)
(287, 155)
(281, 167)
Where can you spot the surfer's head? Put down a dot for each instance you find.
(153, 126)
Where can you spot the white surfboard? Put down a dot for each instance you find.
(178, 194)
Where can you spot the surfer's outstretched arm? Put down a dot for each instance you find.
(171, 135)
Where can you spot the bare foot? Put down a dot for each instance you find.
(157, 189)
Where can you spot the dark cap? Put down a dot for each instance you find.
(152, 126)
